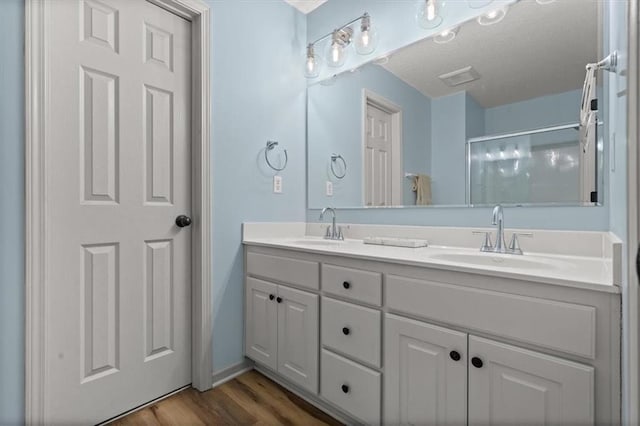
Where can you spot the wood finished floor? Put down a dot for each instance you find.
(249, 399)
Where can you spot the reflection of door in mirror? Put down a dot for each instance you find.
(382, 153)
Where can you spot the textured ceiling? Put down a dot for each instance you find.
(535, 50)
(306, 6)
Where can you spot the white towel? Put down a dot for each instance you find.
(422, 187)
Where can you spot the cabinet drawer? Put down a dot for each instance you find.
(356, 284)
(351, 329)
(352, 387)
(299, 272)
(562, 326)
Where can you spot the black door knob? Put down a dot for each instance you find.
(346, 331)
(183, 221)
(346, 285)
(279, 299)
(477, 362)
(271, 297)
(455, 355)
(345, 388)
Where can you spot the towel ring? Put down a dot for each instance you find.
(270, 146)
(334, 159)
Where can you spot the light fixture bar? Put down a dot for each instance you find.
(329, 34)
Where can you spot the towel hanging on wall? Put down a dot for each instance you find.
(422, 187)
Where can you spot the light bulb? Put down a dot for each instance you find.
(312, 64)
(337, 54)
(367, 40)
(493, 17)
(428, 15)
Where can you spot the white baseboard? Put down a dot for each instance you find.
(222, 376)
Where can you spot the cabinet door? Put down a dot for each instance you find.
(298, 337)
(424, 384)
(261, 331)
(510, 385)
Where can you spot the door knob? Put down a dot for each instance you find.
(182, 221)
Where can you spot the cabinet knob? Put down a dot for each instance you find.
(271, 297)
(455, 355)
(346, 285)
(477, 362)
(346, 331)
(279, 299)
(345, 388)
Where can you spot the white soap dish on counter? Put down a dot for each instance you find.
(396, 242)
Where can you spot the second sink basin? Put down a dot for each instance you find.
(496, 260)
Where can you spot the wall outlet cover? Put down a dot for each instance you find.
(329, 189)
(277, 184)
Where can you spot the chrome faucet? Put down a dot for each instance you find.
(497, 219)
(333, 232)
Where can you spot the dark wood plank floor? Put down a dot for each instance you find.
(249, 399)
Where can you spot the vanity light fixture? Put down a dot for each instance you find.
(428, 15)
(313, 63)
(446, 36)
(493, 17)
(365, 43)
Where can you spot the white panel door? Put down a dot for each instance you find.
(425, 380)
(298, 337)
(261, 322)
(510, 385)
(377, 157)
(118, 175)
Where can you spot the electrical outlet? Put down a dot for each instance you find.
(329, 189)
(277, 184)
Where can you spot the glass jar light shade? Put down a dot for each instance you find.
(493, 17)
(428, 14)
(336, 52)
(477, 4)
(366, 41)
(312, 63)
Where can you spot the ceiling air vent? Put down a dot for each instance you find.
(458, 77)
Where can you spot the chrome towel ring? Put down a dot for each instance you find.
(334, 160)
(270, 146)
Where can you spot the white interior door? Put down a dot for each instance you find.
(378, 157)
(118, 175)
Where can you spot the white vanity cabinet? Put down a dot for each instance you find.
(281, 331)
(382, 342)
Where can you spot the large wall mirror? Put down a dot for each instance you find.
(476, 115)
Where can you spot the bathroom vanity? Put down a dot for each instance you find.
(435, 335)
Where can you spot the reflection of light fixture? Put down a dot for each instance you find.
(493, 17)
(544, 1)
(312, 64)
(477, 4)
(367, 40)
(446, 36)
(428, 15)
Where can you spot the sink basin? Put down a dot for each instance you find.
(496, 260)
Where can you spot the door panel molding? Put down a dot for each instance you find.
(36, 231)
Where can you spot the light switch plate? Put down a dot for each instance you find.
(277, 184)
(329, 188)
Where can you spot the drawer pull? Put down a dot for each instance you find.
(346, 331)
(477, 362)
(455, 355)
(346, 285)
(279, 299)
(271, 297)
(345, 388)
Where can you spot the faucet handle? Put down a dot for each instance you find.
(514, 245)
(487, 245)
(340, 234)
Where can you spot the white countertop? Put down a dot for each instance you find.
(592, 273)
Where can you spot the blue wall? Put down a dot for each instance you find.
(340, 104)
(397, 27)
(11, 212)
(258, 94)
